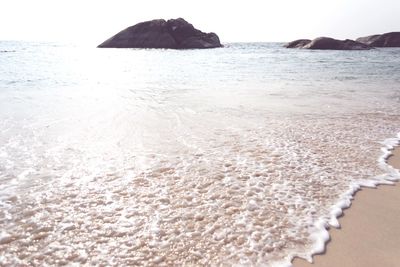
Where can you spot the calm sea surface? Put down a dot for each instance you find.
(238, 155)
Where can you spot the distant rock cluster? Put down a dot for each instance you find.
(159, 33)
(391, 39)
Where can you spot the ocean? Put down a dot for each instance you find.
(241, 155)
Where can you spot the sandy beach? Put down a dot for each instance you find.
(369, 231)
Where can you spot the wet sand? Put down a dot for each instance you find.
(370, 232)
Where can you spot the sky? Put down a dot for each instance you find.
(87, 21)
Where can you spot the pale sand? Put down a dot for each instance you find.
(370, 232)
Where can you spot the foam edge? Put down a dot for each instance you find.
(321, 235)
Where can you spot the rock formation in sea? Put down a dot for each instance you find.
(326, 43)
(159, 33)
(390, 39)
(298, 43)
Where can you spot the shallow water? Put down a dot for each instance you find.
(227, 156)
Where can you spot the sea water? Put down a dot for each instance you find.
(241, 155)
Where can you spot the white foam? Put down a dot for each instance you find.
(250, 195)
(321, 235)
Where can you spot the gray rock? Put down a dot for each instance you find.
(298, 43)
(390, 39)
(174, 33)
(326, 43)
(334, 44)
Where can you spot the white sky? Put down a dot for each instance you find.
(252, 20)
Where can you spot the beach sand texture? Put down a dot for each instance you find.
(370, 232)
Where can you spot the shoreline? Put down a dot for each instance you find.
(368, 234)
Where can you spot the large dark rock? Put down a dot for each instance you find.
(390, 39)
(298, 43)
(326, 43)
(174, 33)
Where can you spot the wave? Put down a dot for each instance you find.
(321, 234)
